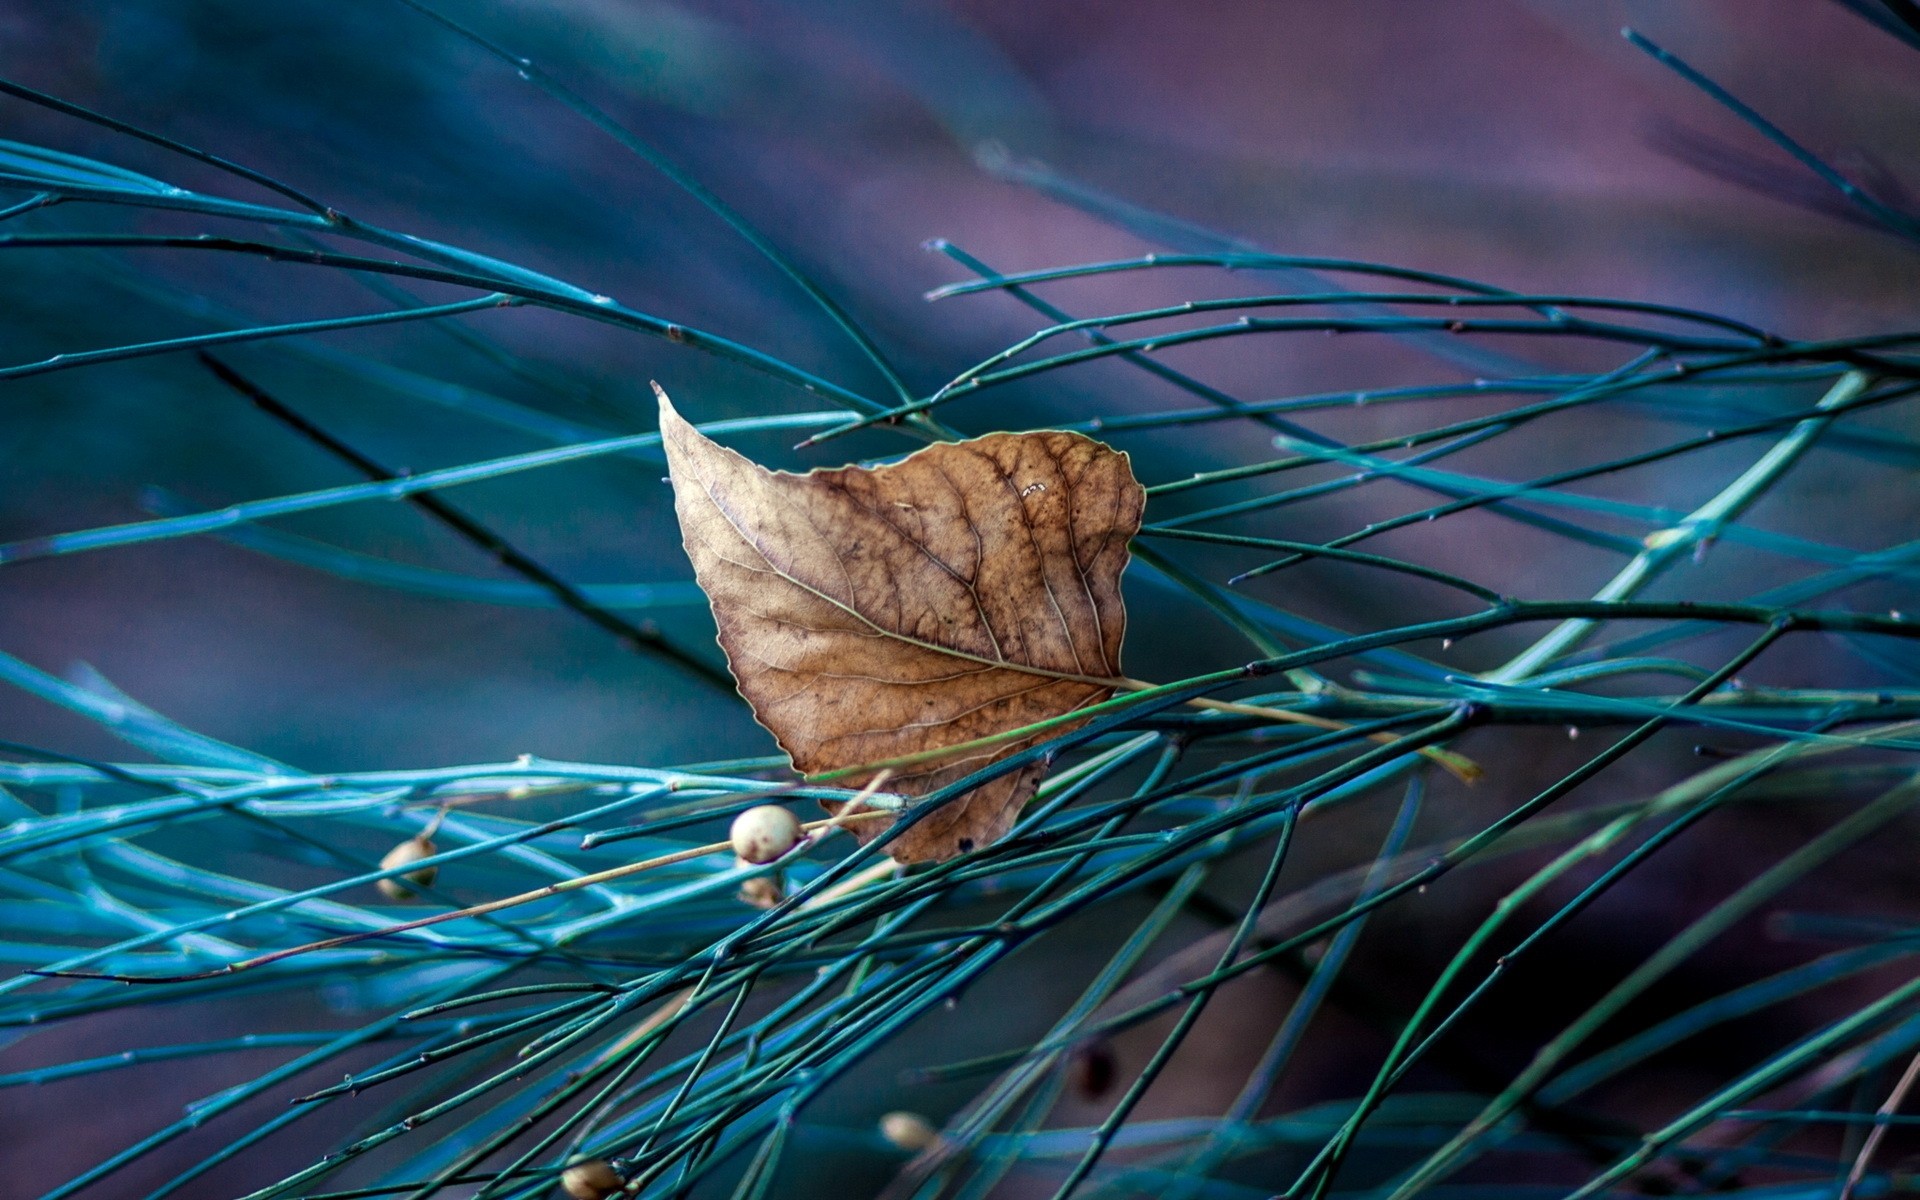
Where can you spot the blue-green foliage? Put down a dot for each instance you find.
(652, 1018)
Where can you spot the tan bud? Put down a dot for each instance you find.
(412, 850)
(762, 891)
(594, 1179)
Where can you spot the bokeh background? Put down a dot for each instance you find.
(1520, 142)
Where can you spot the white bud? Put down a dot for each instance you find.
(764, 833)
(410, 851)
(908, 1130)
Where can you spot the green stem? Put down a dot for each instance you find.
(1665, 546)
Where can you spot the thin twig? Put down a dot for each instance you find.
(1878, 1133)
(642, 638)
(491, 906)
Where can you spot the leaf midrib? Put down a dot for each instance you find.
(707, 489)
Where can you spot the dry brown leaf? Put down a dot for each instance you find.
(970, 589)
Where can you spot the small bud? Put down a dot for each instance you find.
(410, 851)
(1091, 1069)
(908, 1130)
(762, 891)
(764, 833)
(594, 1179)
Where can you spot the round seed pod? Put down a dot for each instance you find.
(762, 891)
(394, 887)
(594, 1179)
(908, 1130)
(763, 833)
